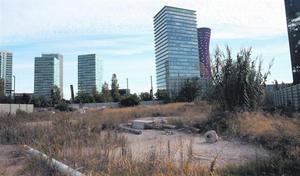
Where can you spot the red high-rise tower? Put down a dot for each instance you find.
(204, 57)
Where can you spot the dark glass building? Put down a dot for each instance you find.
(293, 23)
(176, 48)
(204, 57)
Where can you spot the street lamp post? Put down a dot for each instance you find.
(14, 88)
(10, 91)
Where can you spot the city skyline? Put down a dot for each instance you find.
(125, 39)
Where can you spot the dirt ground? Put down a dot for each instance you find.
(181, 145)
(11, 160)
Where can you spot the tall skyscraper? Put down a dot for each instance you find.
(90, 73)
(293, 23)
(204, 57)
(176, 48)
(61, 69)
(6, 71)
(47, 74)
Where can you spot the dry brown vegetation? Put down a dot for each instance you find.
(91, 143)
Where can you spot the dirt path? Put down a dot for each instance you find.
(11, 160)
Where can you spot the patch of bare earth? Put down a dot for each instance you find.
(11, 160)
(181, 146)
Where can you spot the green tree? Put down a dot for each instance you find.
(162, 95)
(2, 93)
(145, 96)
(83, 97)
(190, 90)
(105, 93)
(55, 95)
(131, 100)
(97, 96)
(115, 94)
(237, 83)
(40, 101)
(63, 106)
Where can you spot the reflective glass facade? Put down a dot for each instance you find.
(6, 70)
(176, 48)
(47, 74)
(293, 22)
(90, 73)
(204, 57)
(61, 69)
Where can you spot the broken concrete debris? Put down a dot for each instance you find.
(129, 129)
(136, 126)
(142, 124)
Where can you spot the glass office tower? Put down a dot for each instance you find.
(61, 69)
(6, 71)
(293, 22)
(47, 74)
(204, 57)
(176, 48)
(90, 73)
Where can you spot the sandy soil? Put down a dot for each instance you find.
(11, 160)
(183, 146)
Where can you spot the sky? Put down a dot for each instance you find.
(121, 33)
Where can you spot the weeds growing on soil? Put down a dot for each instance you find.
(90, 142)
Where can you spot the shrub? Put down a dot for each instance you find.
(190, 90)
(145, 96)
(237, 83)
(162, 95)
(63, 106)
(130, 100)
(41, 102)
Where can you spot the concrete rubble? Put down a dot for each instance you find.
(136, 126)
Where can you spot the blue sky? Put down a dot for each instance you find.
(121, 32)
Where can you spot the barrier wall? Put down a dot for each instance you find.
(108, 105)
(287, 97)
(12, 108)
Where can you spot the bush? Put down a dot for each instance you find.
(21, 113)
(190, 90)
(41, 102)
(237, 83)
(131, 100)
(162, 95)
(84, 97)
(145, 96)
(63, 106)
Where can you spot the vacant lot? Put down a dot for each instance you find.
(92, 143)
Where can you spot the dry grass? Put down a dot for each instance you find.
(259, 124)
(89, 142)
(112, 117)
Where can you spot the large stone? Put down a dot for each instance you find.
(211, 137)
(141, 124)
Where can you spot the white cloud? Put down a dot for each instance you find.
(227, 18)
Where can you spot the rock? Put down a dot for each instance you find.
(168, 132)
(211, 137)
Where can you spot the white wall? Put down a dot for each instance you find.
(12, 108)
